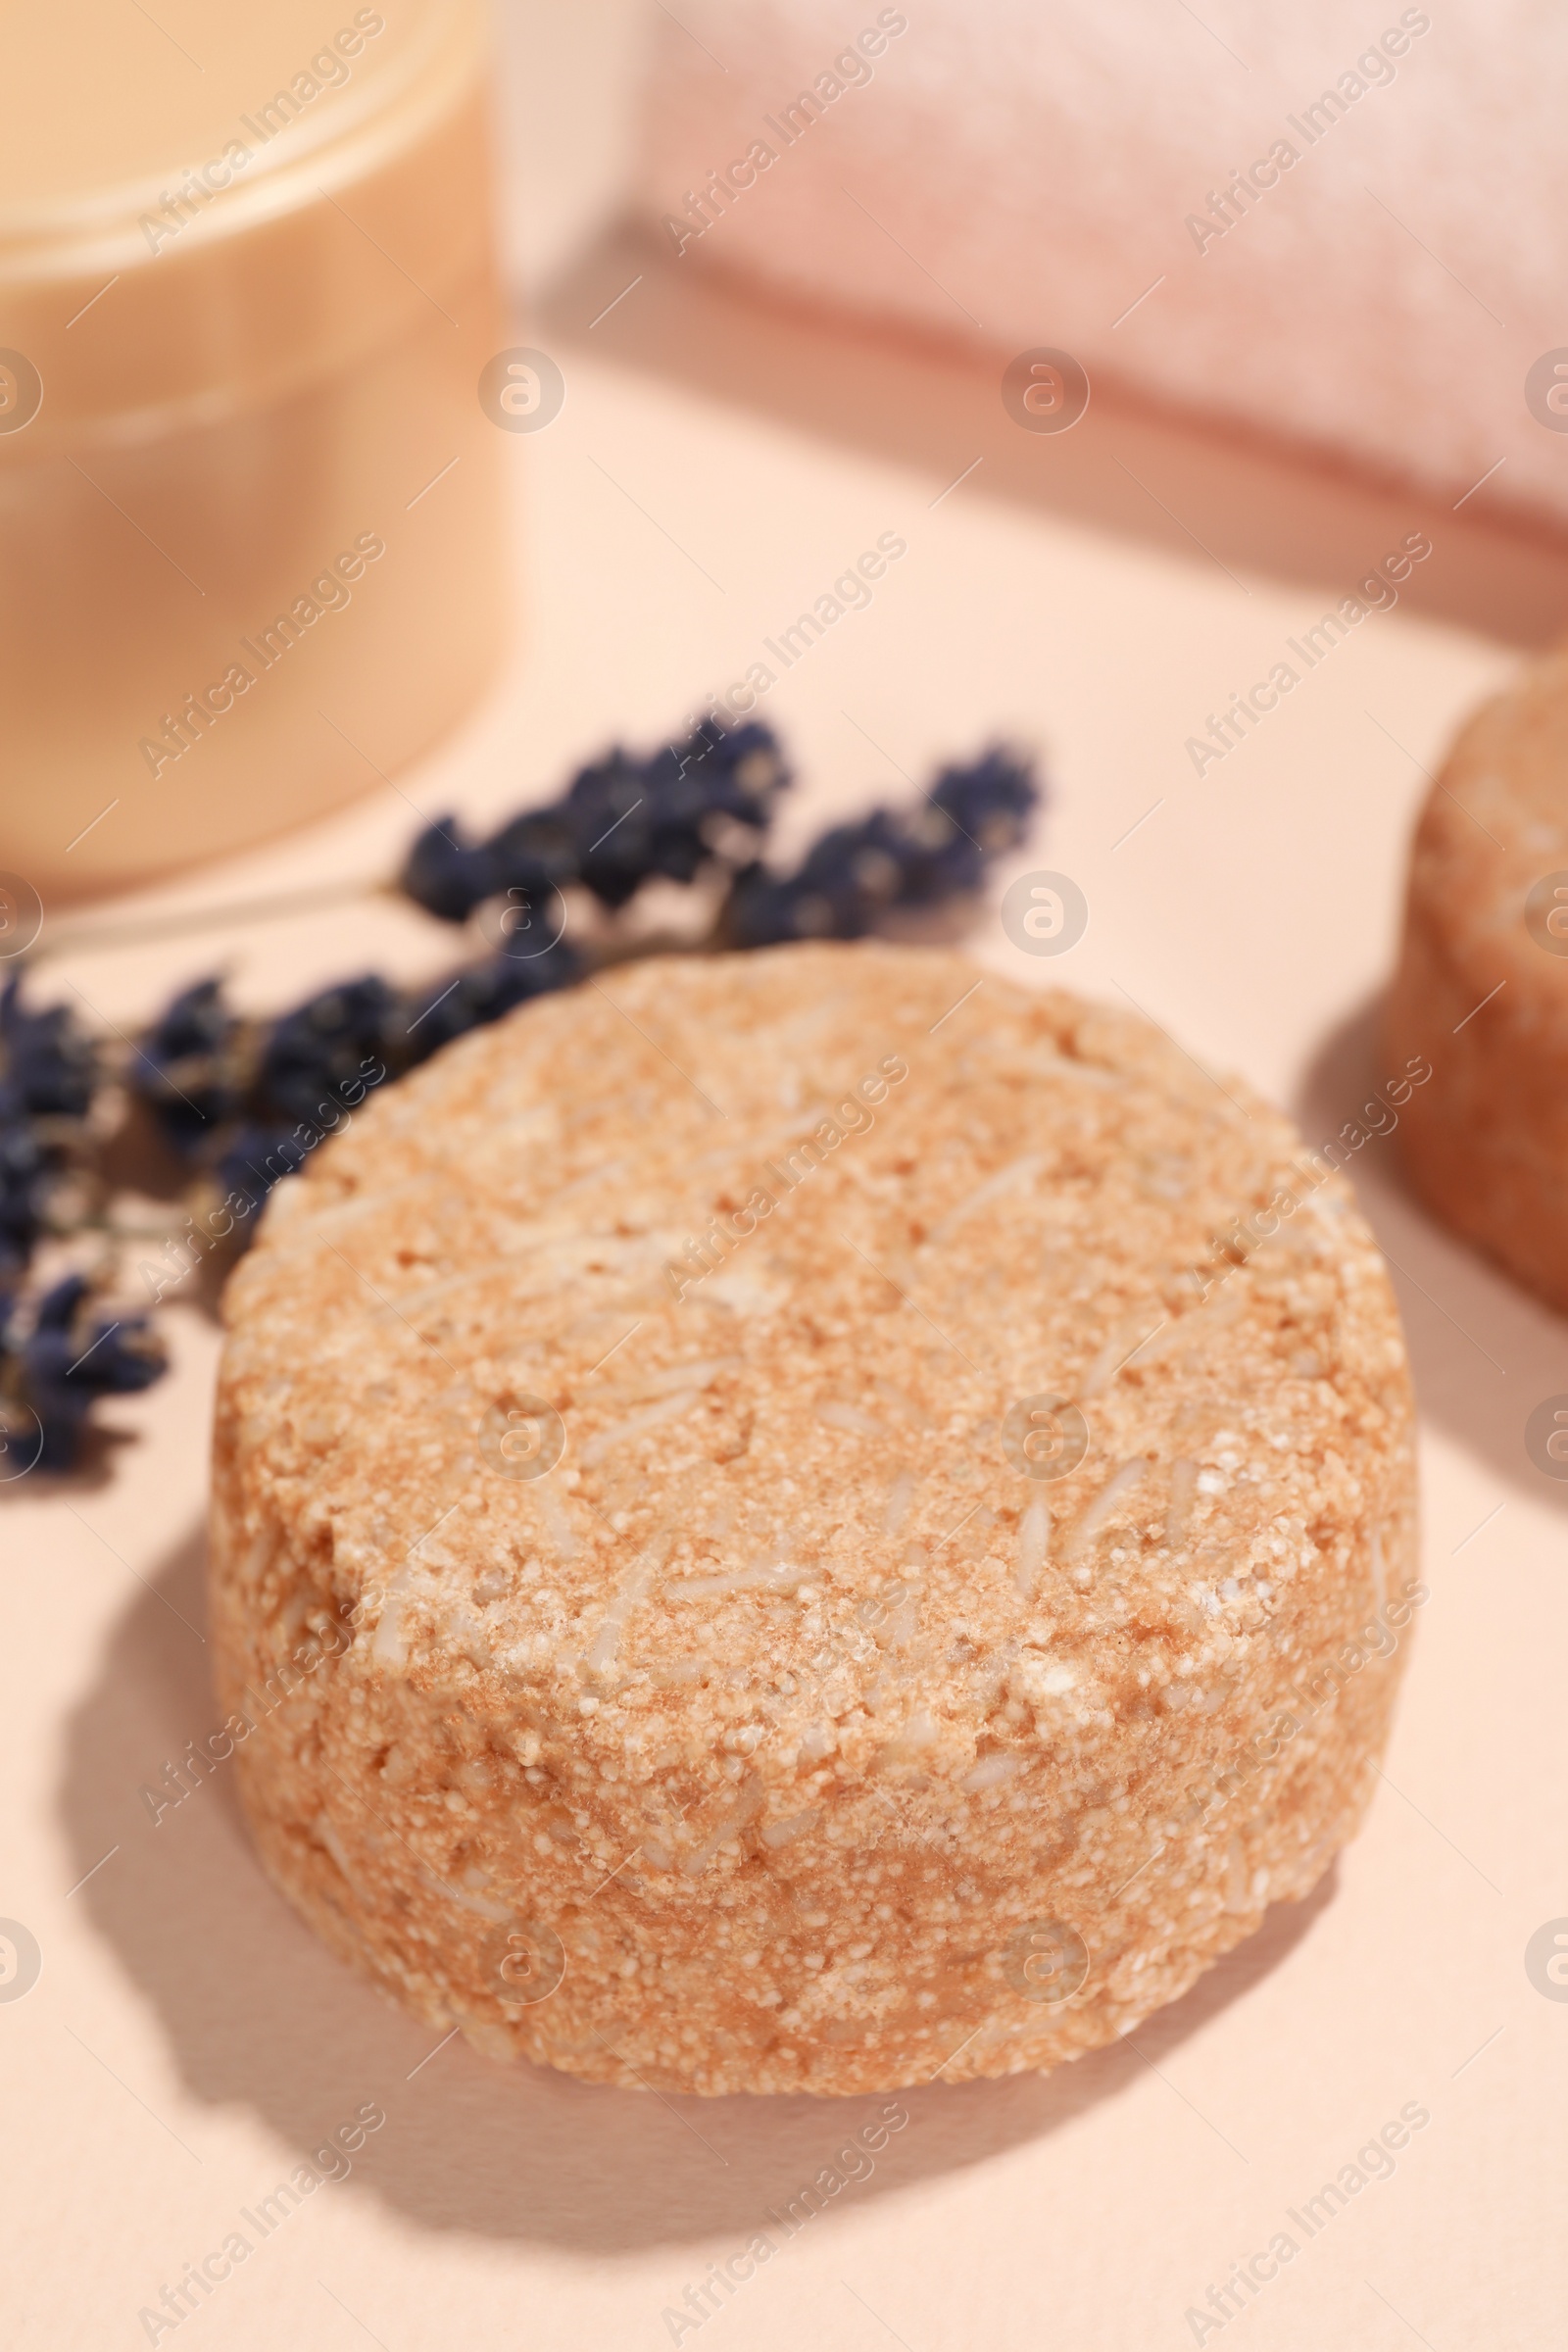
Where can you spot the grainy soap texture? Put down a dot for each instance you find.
(1482, 987)
(965, 1596)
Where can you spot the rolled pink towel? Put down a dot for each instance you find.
(1347, 228)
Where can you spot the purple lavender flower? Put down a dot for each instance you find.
(46, 1057)
(72, 1357)
(24, 1166)
(315, 1057)
(892, 861)
(185, 1071)
(446, 875)
(483, 994)
(620, 822)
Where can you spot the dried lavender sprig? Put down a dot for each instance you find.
(243, 1102)
(620, 822)
(55, 1365)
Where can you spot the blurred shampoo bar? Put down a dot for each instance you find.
(250, 522)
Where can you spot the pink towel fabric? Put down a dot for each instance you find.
(1347, 225)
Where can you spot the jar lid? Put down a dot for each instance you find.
(203, 199)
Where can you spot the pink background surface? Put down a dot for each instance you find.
(188, 2043)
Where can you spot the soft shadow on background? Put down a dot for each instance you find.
(1204, 490)
(1483, 1352)
(260, 2016)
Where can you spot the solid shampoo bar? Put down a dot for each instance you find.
(807, 1520)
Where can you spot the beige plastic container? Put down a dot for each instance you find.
(251, 530)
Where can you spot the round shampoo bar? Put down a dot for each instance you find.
(804, 1521)
(1480, 998)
